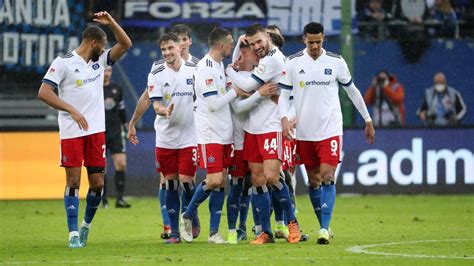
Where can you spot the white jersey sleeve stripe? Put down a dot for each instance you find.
(346, 84)
(50, 82)
(209, 93)
(259, 80)
(285, 87)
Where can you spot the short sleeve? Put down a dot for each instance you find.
(286, 79)
(154, 88)
(266, 70)
(105, 59)
(206, 82)
(344, 75)
(56, 73)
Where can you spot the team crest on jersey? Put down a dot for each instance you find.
(151, 88)
(327, 71)
(209, 82)
(211, 159)
(95, 66)
(260, 69)
(301, 84)
(189, 81)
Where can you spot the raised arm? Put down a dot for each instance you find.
(123, 41)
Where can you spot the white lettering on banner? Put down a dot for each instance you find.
(35, 13)
(374, 166)
(205, 10)
(46, 46)
(450, 160)
(291, 16)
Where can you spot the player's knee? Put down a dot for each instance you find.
(73, 183)
(120, 166)
(213, 183)
(259, 180)
(271, 176)
(328, 177)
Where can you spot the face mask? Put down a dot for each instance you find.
(439, 87)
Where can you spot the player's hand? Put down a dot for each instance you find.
(243, 39)
(241, 93)
(288, 131)
(293, 122)
(422, 115)
(268, 89)
(80, 120)
(132, 134)
(275, 98)
(169, 111)
(103, 18)
(369, 133)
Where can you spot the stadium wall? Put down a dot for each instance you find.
(402, 161)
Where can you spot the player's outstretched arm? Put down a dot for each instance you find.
(142, 105)
(46, 94)
(247, 84)
(123, 41)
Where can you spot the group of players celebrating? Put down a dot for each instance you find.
(241, 120)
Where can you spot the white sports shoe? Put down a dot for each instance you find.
(186, 229)
(323, 237)
(331, 233)
(216, 239)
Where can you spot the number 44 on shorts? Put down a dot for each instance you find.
(272, 142)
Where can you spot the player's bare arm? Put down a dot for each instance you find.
(162, 110)
(46, 94)
(123, 41)
(142, 105)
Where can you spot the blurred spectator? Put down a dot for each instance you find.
(374, 15)
(442, 105)
(443, 12)
(386, 97)
(413, 11)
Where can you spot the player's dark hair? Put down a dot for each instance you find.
(181, 29)
(313, 28)
(168, 37)
(244, 45)
(274, 27)
(217, 35)
(277, 40)
(254, 29)
(93, 33)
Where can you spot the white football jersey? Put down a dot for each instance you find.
(210, 81)
(315, 87)
(239, 121)
(265, 118)
(80, 84)
(174, 87)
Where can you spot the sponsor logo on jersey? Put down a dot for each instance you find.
(80, 82)
(167, 96)
(327, 71)
(302, 71)
(209, 82)
(223, 90)
(260, 69)
(316, 83)
(189, 81)
(211, 159)
(151, 88)
(181, 94)
(301, 84)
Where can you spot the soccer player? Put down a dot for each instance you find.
(263, 139)
(314, 76)
(115, 123)
(214, 132)
(78, 79)
(170, 87)
(184, 35)
(238, 198)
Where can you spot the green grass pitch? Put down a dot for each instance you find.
(369, 230)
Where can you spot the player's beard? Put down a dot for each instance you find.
(170, 59)
(263, 51)
(96, 54)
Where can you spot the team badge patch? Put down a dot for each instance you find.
(95, 66)
(209, 82)
(327, 71)
(211, 159)
(52, 70)
(260, 69)
(151, 88)
(189, 81)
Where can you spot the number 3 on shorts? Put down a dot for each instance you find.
(273, 144)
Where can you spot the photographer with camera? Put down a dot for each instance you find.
(443, 105)
(386, 96)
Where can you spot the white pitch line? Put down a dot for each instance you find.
(363, 249)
